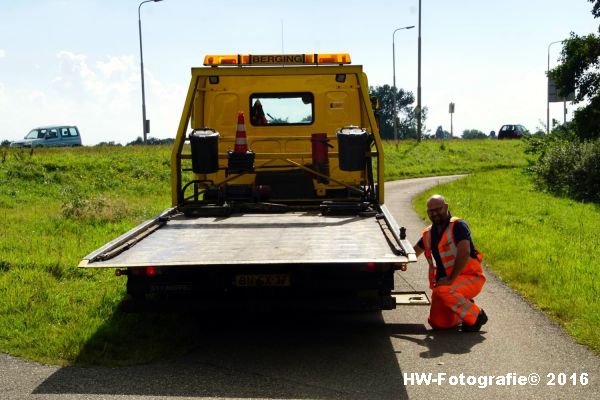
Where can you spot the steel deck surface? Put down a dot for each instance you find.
(301, 237)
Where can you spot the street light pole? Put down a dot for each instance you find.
(419, 80)
(145, 122)
(394, 68)
(548, 89)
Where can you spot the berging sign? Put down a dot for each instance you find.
(268, 59)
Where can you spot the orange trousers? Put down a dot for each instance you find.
(451, 304)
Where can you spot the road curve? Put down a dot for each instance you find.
(344, 356)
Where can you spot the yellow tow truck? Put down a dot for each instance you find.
(277, 193)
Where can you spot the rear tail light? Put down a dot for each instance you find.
(372, 267)
(144, 271)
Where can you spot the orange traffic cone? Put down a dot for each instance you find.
(241, 159)
(241, 145)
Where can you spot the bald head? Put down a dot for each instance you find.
(437, 209)
(436, 200)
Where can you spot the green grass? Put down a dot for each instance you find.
(449, 157)
(543, 246)
(57, 205)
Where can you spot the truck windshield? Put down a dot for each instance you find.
(281, 109)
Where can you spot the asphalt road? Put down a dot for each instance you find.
(344, 356)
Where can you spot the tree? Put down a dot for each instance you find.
(151, 141)
(405, 113)
(111, 143)
(596, 8)
(569, 158)
(473, 134)
(579, 71)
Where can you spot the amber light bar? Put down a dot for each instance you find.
(276, 59)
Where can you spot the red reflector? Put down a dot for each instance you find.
(150, 271)
(371, 267)
(118, 272)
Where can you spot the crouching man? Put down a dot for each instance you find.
(455, 272)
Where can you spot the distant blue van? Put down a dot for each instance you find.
(50, 136)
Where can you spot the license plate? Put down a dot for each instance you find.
(259, 280)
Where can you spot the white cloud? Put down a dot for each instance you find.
(74, 73)
(2, 53)
(102, 97)
(115, 66)
(37, 99)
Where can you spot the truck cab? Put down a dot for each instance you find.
(300, 111)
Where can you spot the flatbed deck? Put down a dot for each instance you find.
(251, 239)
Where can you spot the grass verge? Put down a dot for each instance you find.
(543, 246)
(56, 206)
(410, 159)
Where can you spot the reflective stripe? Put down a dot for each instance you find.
(427, 244)
(459, 284)
(473, 313)
(450, 236)
(461, 301)
(448, 265)
(448, 256)
(240, 140)
(447, 262)
(241, 127)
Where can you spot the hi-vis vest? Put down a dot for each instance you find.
(448, 251)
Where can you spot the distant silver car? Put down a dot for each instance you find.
(50, 136)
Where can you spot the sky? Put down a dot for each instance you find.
(77, 62)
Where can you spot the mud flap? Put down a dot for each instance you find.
(416, 298)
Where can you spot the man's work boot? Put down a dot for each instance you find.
(481, 320)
